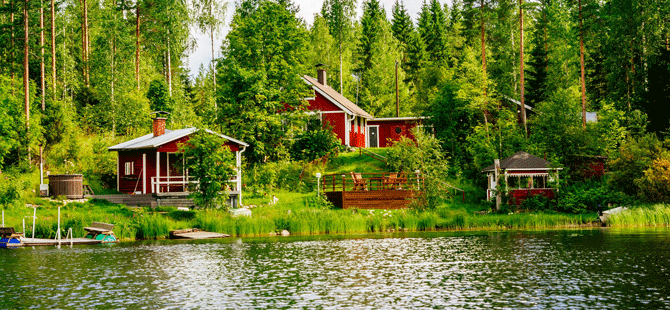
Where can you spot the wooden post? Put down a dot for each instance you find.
(333, 182)
(344, 185)
(34, 217)
(58, 231)
(497, 178)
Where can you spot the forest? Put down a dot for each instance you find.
(77, 76)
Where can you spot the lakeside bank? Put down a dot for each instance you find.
(310, 218)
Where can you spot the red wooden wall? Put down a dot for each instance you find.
(387, 130)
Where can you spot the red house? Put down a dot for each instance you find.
(354, 126)
(152, 164)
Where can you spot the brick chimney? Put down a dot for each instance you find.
(321, 76)
(159, 126)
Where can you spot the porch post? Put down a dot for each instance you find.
(168, 170)
(118, 170)
(496, 173)
(158, 171)
(238, 164)
(144, 173)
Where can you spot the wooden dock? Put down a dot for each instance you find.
(194, 233)
(45, 242)
(175, 199)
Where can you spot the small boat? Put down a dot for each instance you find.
(9, 238)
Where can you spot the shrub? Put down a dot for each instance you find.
(315, 142)
(426, 156)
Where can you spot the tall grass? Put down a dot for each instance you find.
(657, 215)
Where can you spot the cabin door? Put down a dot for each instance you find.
(373, 136)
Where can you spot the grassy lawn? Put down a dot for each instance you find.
(356, 162)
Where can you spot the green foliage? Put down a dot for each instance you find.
(211, 164)
(635, 156)
(426, 156)
(260, 75)
(315, 142)
(261, 178)
(159, 97)
(655, 183)
(589, 197)
(9, 118)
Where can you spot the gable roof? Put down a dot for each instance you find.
(522, 160)
(149, 141)
(336, 98)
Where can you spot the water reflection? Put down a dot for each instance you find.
(557, 269)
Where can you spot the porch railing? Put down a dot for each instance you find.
(344, 182)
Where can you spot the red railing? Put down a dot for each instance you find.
(372, 182)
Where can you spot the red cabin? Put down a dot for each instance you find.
(354, 126)
(152, 164)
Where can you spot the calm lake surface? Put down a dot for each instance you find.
(586, 269)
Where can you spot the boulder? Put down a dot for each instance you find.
(285, 233)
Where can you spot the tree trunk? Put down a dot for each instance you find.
(26, 72)
(86, 32)
(112, 69)
(486, 123)
(341, 64)
(481, 9)
(521, 75)
(83, 40)
(581, 65)
(42, 75)
(169, 65)
(12, 60)
(211, 35)
(53, 48)
(137, 47)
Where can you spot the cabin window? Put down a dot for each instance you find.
(398, 130)
(130, 168)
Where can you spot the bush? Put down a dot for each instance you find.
(426, 156)
(588, 196)
(314, 143)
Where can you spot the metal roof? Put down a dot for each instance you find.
(522, 161)
(149, 141)
(336, 98)
(402, 118)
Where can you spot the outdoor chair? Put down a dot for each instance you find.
(359, 182)
(390, 180)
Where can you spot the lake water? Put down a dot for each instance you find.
(585, 269)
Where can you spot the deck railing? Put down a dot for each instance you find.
(372, 182)
(180, 183)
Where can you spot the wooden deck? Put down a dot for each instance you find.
(174, 199)
(44, 242)
(373, 190)
(195, 233)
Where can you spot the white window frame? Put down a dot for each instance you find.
(130, 168)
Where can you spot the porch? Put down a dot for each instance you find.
(372, 190)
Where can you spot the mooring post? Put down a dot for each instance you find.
(58, 226)
(34, 217)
